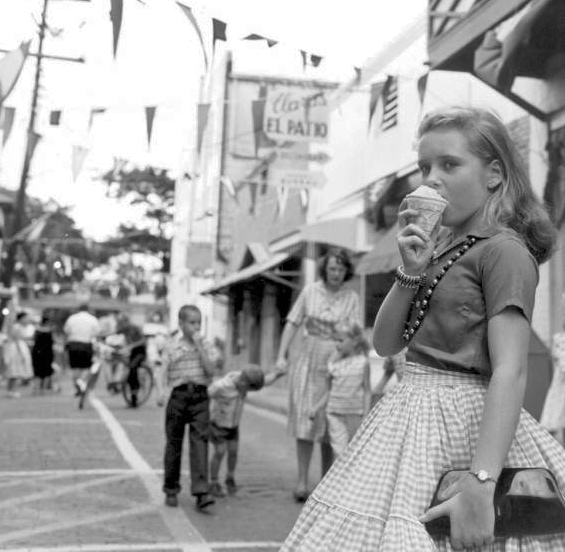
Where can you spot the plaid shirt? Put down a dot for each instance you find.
(182, 362)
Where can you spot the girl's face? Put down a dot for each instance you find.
(335, 272)
(344, 344)
(448, 165)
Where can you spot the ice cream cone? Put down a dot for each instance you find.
(430, 206)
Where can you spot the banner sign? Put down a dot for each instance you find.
(296, 114)
(297, 179)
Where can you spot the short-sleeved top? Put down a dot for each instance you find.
(81, 327)
(495, 273)
(182, 362)
(226, 405)
(347, 384)
(320, 310)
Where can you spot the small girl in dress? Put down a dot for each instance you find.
(349, 388)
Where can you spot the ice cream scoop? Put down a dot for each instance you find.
(430, 206)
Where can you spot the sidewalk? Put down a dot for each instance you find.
(272, 398)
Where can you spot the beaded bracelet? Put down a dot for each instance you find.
(406, 281)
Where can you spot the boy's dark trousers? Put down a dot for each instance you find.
(188, 404)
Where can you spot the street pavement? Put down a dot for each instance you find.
(90, 480)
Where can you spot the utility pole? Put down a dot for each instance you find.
(30, 143)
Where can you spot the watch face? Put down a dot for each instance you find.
(482, 475)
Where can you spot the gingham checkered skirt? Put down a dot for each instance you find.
(374, 493)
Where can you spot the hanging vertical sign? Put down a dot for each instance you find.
(296, 114)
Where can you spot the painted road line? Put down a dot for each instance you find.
(64, 421)
(24, 534)
(62, 490)
(183, 532)
(145, 547)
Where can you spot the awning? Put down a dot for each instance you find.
(353, 233)
(251, 272)
(383, 258)
(498, 62)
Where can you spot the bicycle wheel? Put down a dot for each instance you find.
(145, 378)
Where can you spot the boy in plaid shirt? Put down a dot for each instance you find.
(188, 367)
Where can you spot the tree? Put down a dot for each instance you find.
(151, 187)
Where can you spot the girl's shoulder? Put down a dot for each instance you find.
(507, 246)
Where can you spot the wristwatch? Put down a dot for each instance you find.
(483, 476)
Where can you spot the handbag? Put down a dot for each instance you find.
(527, 501)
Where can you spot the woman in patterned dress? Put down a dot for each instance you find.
(318, 308)
(467, 327)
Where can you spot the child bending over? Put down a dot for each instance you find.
(227, 396)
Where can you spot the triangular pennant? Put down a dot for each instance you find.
(282, 197)
(149, 117)
(390, 103)
(202, 119)
(304, 198)
(315, 60)
(304, 59)
(55, 118)
(227, 183)
(94, 111)
(79, 156)
(7, 116)
(188, 12)
(219, 32)
(422, 85)
(376, 93)
(254, 36)
(252, 196)
(116, 13)
(32, 141)
(10, 68)
(357, 74)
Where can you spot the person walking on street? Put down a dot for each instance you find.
(227, 397)
(187, 369)
(81, 330)
(318, 309)
(42, 355)
(348, 398)
(17, 356)
(462, 303)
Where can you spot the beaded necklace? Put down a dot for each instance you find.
(424, 304)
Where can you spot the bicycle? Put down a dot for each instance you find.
(122, 378)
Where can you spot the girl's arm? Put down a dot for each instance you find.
(416, 249)
(471, 507)
(286, 339)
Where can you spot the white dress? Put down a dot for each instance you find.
(553, 415)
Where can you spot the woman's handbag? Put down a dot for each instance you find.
(527, 501)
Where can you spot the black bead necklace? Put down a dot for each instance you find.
(410, 330)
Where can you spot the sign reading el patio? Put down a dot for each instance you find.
(296, 114)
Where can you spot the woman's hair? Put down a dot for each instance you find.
(342, 257)
(513, 204)
(355, 332)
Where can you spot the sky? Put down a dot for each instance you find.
(159, 63)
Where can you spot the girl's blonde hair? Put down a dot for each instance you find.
(355, 332)
(513, 204)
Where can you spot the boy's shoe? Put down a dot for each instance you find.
(171, 500)
(216, 490)
(231, 486)
(204, 500)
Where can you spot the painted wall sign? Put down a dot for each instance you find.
(296, 114)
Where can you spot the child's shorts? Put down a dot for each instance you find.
(220, 435)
